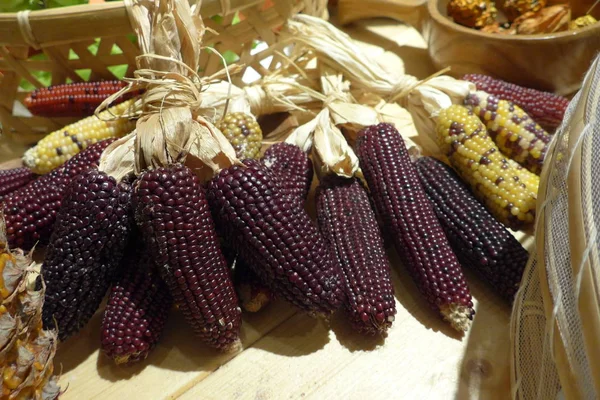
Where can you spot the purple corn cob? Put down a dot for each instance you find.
(272, 232)
(138, 306)
(418, 236)
(349, 226)
(13, 179)
(478, 239)
(294, 167)
(172, 213)
(31, 211)
(85, 249)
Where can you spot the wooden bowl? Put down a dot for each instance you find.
(554, 62)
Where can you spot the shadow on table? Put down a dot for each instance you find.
(411, 299)
(484, 370)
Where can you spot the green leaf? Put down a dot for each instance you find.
(64, 3)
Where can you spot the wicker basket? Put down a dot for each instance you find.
(58, 41)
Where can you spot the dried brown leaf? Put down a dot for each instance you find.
(547, 20)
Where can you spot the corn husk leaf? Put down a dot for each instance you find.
(172, 127)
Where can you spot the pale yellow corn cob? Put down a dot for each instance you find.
(59, 146)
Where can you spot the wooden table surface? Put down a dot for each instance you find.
(287, 355)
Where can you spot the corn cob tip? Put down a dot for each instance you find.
(458, 316)
(252, 300)
(233, 347)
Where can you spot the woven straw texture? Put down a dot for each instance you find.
(59, 42)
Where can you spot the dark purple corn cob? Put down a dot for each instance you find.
(294, 167)
(478, 239)
(547, 109)
(272, 232)
(92, 227)
(349, 226)
(172, 212)
(138, 306)
(13, 179)
(409, 217)
(31, 210)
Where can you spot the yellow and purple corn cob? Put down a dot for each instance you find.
(273, 233)
(243, 132)
(173, 215)
(409, 217)
(13, 179)
(31, 210)
(515, 134)
(350, 228)
(78, 99)
(547, 109)
(137, 309)
(507, 189)
(293, 165)
(478, 239)
(59, 146)
(85, 250)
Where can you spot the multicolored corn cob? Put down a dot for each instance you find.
(59, 146)
(253, 294)
(349, 226)
(78, 99)
(272, 232)
(547, 109)
(515, 134)
(85, 249)
(508, 190)
(243, 132)
(172, 213)
(293, 165)
(31, 211)
(515, 8)
(137, 309)
(480, 242)
(26, 350)
(13, 179)
(472, 13)
(409, 217)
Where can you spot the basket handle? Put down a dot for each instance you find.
(412, 12)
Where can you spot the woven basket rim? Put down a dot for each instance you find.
(88, 21)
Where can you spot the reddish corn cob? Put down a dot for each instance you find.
(547, 109)
(13, 179)
(350, 227)
(173, 215)
(293, 165)
(253, 294)
(85, 249)
(409, 217)
(78, 99)
(31, 211)
(478, 239)
(138, 306)
(516, 135)
(275, 235)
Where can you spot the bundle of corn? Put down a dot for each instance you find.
(26, 350)
(31, 210)
(77, 99)
(59, 146)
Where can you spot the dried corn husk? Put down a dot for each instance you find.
(172, 126)
(423, 99)
(555, 325)
(547, 20)
(26, 350)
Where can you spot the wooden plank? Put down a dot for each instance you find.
(179, 362)
(422, 358)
